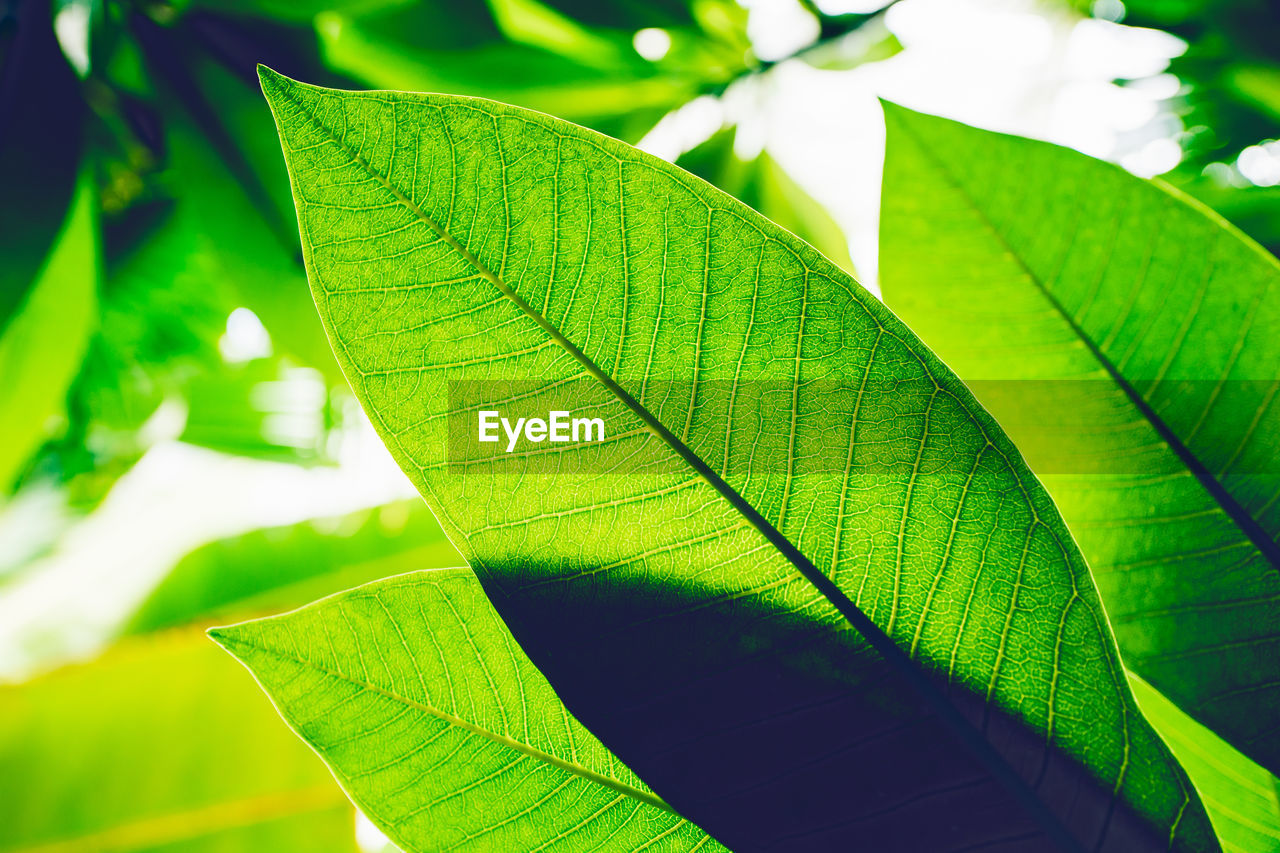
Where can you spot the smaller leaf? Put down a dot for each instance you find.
(1243, 799)
(443, 732)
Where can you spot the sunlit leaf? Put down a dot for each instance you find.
(450, 739)
(159, 746)
(1146, 327)
(667, 580)
(42, 347)
(1242, 799)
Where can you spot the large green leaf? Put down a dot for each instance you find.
(452, 740)
(159, 746)
(1147, 327)
(765, 417)
(42, 346)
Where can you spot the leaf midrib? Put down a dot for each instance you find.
(1244, 521)
(875, 636)
(451, 719)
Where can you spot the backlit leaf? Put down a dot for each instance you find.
(780, 447)
(449, 739)
(1126, 338)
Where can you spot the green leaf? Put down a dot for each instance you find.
(161, 745)
(765, 417)
(281, 567)
(619, 92)
(1148, 326)
(292, 11)
(449, 738)
(42, 347)
(1242, 799)
(41, 120)
(763, 185)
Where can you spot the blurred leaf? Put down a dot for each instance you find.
(161, 745)
(628, 14)
(1230, 71)
(283, 567)
(1254, 210)
(665, 580)
(1019, 260)
(1259, 85)
(869, 40)
(232, 198)
(424, 741)
(535, 24)
(261, 409)
(1243, 800)
(762, 184)
(42, 347)
(39, 145)
(295, 11)
(623, 97)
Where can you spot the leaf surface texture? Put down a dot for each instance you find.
(685, 584)
(449, 738)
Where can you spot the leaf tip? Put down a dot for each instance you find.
(894, 111)
(226, 636)
(273, 83)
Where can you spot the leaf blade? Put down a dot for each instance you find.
(1167, 329)
(395, 299)
(449, 637)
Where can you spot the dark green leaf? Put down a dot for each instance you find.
(1146, 327)
(41, 116)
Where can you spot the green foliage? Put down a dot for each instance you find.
(39, 147)
(160, 746)
(41, 348)
(806, 590)
(157, 105)
(1160, 447)
(1231, 71)
(277, 568)
(450, 738)
(676, 570)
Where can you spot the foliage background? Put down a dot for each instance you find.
(177, 447)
